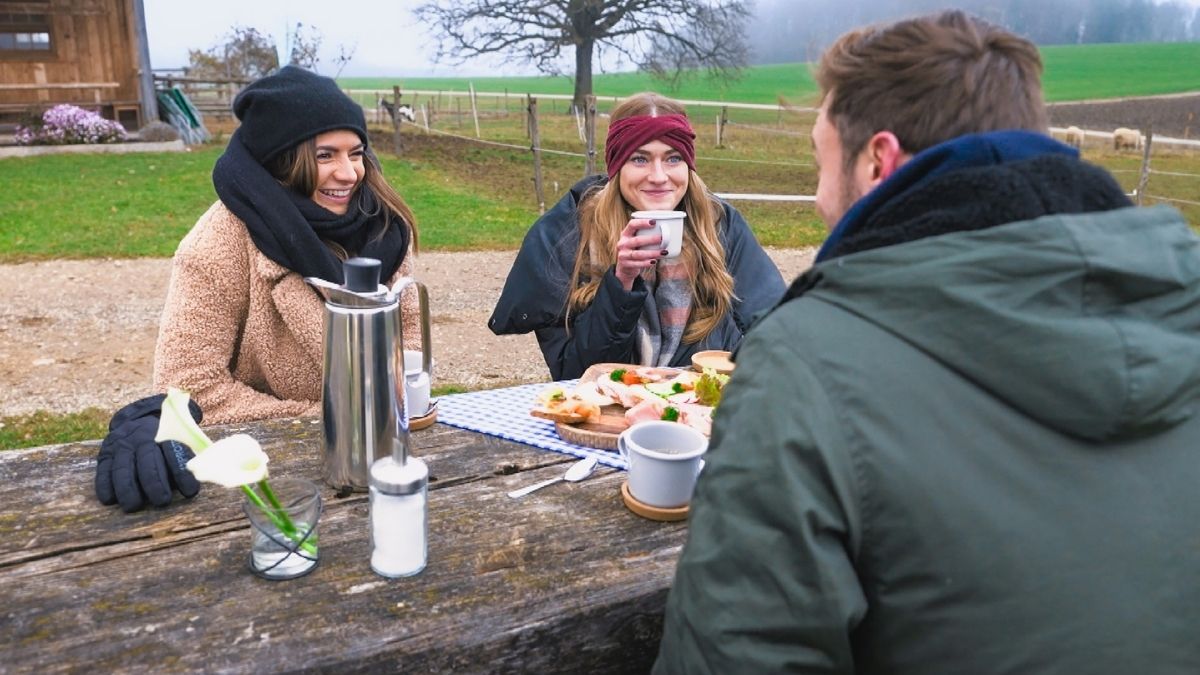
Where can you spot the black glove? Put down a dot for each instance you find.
(132, 469)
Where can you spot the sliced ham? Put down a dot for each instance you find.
(618, 391)
(696, 416)
(647, 410)
(650, 374)
(589, 392)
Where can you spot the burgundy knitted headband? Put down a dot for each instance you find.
(626, 135)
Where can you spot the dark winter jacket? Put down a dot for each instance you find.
(535, 294)
(968, 452)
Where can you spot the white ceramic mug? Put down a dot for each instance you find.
(667, 223)
(664, 460)
(417, 384)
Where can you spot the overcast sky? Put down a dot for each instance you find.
(386, 37)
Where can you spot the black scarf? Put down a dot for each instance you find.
(289, 227)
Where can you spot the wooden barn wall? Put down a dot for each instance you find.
(90, 42)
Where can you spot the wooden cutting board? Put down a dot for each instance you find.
(602, 434)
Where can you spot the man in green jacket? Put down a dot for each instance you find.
(967, 440)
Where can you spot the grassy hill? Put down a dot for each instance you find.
(1078, 72)
(1073, 72)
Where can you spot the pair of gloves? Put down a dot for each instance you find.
(132, 469)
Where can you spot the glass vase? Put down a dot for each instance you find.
(283, 527)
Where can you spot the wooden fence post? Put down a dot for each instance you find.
(396, 147)
(474, 109)
(722, 120)
(535, 147)
(1145, 175)
(589, 130)
(425, 116)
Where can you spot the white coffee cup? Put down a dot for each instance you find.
(664, 460)
(417, 383)
(667, 223)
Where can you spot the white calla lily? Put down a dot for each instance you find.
(176, 423)
(233, 461)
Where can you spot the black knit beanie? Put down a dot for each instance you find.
(290, 106)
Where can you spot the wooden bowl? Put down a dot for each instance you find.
(717, 359)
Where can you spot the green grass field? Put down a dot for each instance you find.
(759, 84)
(1080, 72)
(466, 196)
(1073, 72)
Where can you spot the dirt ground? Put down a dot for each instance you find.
(1174, 116)
(79, 334)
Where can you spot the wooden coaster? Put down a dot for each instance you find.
(426, 420)
(651, 512)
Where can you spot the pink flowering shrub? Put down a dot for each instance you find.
(65, 124)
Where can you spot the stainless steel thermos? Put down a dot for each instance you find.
(363, 406)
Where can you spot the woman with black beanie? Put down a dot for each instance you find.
(299, 191)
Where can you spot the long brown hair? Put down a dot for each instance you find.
(296, 168)
(930, 79)
(603, 213)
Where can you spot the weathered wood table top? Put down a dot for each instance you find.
(562, 580)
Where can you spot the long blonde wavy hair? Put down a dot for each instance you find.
(296, 168)
(603, 213)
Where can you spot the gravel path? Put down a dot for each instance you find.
(78, 334)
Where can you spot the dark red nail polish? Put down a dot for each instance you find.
(653, 222)
(665, 251)
(653, 262)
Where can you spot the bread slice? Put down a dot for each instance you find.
(557, 416)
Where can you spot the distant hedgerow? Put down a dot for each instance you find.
(65, 124)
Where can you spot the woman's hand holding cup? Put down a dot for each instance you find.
(637, 252)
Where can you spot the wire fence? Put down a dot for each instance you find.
(1174, 200)
(754, 133)
(1175, 173)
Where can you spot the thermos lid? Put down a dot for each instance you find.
(362, 274)
(392, 478)
(361, 289)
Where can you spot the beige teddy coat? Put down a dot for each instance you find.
(241, 333)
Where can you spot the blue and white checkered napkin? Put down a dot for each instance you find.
(505, 413)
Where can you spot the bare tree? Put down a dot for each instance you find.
(305, 50)
(344, 56)
(246, 54)
(664, 37)
(305, 47)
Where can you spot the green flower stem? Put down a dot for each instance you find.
(278, 516)
(266, 490)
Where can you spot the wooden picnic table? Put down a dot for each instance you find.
(562, 580)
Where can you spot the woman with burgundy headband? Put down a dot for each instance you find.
(584, 285)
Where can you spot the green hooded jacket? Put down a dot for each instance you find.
(971, 453)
